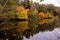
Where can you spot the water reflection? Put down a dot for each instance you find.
(46, 35)
(16, 30)
(45, 21)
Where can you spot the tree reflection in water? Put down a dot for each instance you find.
(16, 30)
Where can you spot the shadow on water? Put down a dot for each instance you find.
(18, 29)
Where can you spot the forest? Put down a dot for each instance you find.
(25, 18)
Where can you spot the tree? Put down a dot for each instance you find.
(41, 0)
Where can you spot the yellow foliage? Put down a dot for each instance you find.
(20, 8)
(49, 14)
(22, 26)
(22, 13)
(46, 20)
(46, 15)
(25, 13)
(41, 22)
(27, 10)
(41, 14)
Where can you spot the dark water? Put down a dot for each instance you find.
(45, 29)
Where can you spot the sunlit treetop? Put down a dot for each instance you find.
(41, 0)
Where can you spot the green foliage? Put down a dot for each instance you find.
(41, 0)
